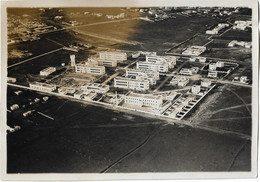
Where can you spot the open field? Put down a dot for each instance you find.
(229, 110)
(174, 144)
(157, 36)
(241, 54)
(35, 48)
(85, 141)
(239, 35)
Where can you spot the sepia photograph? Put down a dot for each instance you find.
(129, 89)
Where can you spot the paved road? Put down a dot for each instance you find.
(44, 54)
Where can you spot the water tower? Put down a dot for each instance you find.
(72, 60)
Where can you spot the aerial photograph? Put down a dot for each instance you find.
(129, 89)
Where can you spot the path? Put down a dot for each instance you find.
(44, 54)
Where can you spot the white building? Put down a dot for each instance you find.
(171, 96)
(212, 74)
(240, 43)
(103, 62)
(243, 79)
(195, 89)
(85, 95)
(96, 87)
(205, 83)
(181, 81)
(47, 71)
(11, 79)
(202, 59)
(42, 87)
(144, 100)
(91, 68)
(129, 83)
(217, 28)
(160, 67)
(14, 107)
(170, 60)
(212, 66)
(242, 25)
(194, 50)
(117, 99)
(152, 76)
(66, 90)
(189, 71)
(220, 64)
(119, 56)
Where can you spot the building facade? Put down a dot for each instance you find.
(42, 87)
(129, 83)
(195, 89)
(170, 60)
(144, 100)
(181, 81)
(47, 71)
(90, 68)
(160, 67)
(152, 76)
(103, 62)
(119, 56)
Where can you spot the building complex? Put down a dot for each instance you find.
(144, 100)
(131, 83)
(91, 68)
(118, 56)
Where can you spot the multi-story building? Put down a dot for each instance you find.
(103, 62)
(212, 66)
(195, 89)
(205, 83)
(170, 60)
(47, 71)
(152, 76)
(220, 64)
(91, 68)
(212, 74)
(181, 81)
(141, 100)
(42, 87)
(160, 67)
(189, 71)
(130, 83)
(119, 56)
(96, 87)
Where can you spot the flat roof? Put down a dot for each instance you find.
(149, 96)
